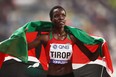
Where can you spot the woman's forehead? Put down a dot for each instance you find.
(58, 9)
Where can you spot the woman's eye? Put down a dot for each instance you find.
(56, 16)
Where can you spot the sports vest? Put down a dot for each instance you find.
(59, 51)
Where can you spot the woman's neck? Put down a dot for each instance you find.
(59, 31)
(60, 35)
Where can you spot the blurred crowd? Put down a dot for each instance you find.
(94, 16)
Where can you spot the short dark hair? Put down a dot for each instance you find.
(55, 7)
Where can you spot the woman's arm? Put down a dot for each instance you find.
(85, 50)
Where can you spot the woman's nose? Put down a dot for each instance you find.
(61, 17)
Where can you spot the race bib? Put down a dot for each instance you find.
(60, 53)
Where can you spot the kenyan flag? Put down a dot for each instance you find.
(16, 45)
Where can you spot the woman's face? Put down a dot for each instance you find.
(58, 17)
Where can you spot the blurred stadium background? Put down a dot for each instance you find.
(96, 17)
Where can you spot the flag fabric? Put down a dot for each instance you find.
(16, 44)
(79, 59)
(2, 56)
(32, 68)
